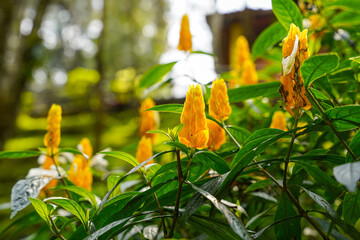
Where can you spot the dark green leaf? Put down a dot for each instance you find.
(345, 19)
(258, 185)
(235, 223)
(348, 174)
(351, 208)
(19, 154)
(82, 192)
(318, 66)
(72, 207)
(239, 133)
(326, 227)
(253, 91)
(344, 118)
(155, 74)
(182, 147)
(288, 229)
(355, 147)
(213, 161)
(42, 209)
(123, 156)
(268, 38)
(287, 12)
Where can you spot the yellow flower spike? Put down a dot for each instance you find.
(317, 22)
(144, 150)
(249, 74)
(185, 35)
(52, 137)
(149, 120)
(216, 136)
(242, 52)
(295, 52)
(219, 106)
(80, 173)
(279, 121)
(195, 133)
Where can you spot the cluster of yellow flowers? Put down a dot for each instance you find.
(199, 132)
(295, 52)
(244, 71)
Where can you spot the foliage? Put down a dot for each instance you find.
(263, 183)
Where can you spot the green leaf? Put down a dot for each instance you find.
(213, 161)
(201, 52)
(354, 146)
(347, 5)
(287, 12)
(253, 91)
(197, 200)
(172, 108)
(348, 174)
(70, 150)
(345, 19)
(322, 202)
(289, 229)
(344, 118)
(156, 131)
(82, 192)
(356, 59)
(239, 133)
(258, 185)
(215, 229)
(123, 156)
(267, 39)
(318, 66)
(351, 208)
(42, 209)
(19, 154)
(322, 178)
(155, 74)
(111, 182)
(235, 223)
(182, 147)
(72, 207)
(326, 226)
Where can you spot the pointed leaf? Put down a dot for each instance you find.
(19, 154)
(287, 12)
(351, 208)
(42, 209)
(123, 156)
(82, 192)
(155, 74)
(212, 160)
(345, 118)
(253, 91)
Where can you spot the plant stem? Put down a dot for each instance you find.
(232, 137)
(287, 158)
(52, 156)
(57, 232)
(328, 122)
(178, 196)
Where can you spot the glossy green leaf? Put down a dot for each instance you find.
(70, 150)
(355, 147)
(42, 209)
(19, 154)
(155, 74)
(355, 59)
(318, 66)
(267, 39)
(201, 52)
(289, 229)
(287, 12)
(258, 185)
(172, 108)
(351, 208)
(345, 117)
(123, 156)
(212, 160)
(253, 91)
(82, 192)
(182, 147)
(235, 223)
(239, 133)
(70, 206)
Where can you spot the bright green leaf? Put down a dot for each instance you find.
(287, 12)
(42, 209)
(19, 154)
(345, 117)
(155, 74)
(253, 91)
(123, 156)
(212, 160)
(82, 192)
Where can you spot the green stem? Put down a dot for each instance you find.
(287, 158)
(328, 122)
(232, 137)
(52, 156)
(178, 196)
(57, 232)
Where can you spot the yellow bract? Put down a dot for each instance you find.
(219, 106)
(52, 137)
(216, 135)
(242, 52)
(148, 119)
(80, 173)
(249, 75)
(144, 150)
(292, 87)
(279, 121)
(195, 133)
(317, 21)
(185, 35)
